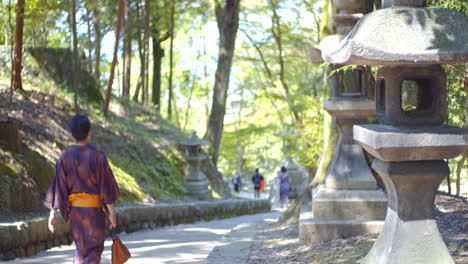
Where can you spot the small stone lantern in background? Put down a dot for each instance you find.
(411, 142)
(196, 182)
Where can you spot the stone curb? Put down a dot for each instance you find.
(24, 239)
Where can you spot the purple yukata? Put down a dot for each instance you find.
(83, 169)
(284, 184)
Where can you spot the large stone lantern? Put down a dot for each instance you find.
(350, 203)
(411, 142)
(196, 181)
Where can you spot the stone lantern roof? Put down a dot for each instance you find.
(403, 35)
(194, 141)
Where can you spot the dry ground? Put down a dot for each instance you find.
(279, 243)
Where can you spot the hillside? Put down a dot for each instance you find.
(140, 146)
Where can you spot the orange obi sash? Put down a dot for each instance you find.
(85, 200)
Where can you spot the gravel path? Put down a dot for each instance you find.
(180, 244)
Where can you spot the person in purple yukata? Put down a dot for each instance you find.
(84, 191)
(285, 182)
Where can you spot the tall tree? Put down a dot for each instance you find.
(127, 61)
(277, 35)
(89, 44)
(97, 42)
(227, 18)
(146, 15)
(141, 77)
(17, 61)
(114, 58)
(158, 54)
(171, 61)
(74, 39)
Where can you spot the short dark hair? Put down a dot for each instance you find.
(256, 170)
(283, 169)
(79, 127)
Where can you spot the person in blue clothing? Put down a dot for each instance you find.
(236, 181)
(285, 182)
(257, 180)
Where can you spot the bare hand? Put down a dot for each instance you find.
(52, 223)
(112, 221)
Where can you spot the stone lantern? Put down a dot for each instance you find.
(196, 182)
(350, 203)
(411, 142)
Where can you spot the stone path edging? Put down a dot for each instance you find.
(26, 238)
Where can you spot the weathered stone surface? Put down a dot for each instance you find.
(403, 35)
(429, 100)
(312, 230)
(24, 238)
(352, 6)
(391, 143)
(196, 181)
(10, 135)
(359, 205)
(315, 56)
(350, 108)
(410, 234)
(410, 3)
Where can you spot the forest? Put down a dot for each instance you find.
(237, 72)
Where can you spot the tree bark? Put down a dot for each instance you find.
(18, 59)
(74, 38)
(146, 15)
(228, 22)
(127, 62)
(171, 61)
(187, 110)
(97, 43)
(114, 59)
(158, 54)
(460, 165)
(89, 44)
(141, 78)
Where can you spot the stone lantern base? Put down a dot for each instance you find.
(410, 162)
(198, 189)
(342, 213)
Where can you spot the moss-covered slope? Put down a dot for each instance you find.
(140, 146)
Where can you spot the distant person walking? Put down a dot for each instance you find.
(236, 181)
(84, 190)
(257, 179)
(285, 182)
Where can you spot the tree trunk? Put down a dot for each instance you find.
(18, 59)
(146, 15)
(127, 62)
(89, 44)
(75, 52)
(171, 61)
(460, 165)
(114, 59)
(228, 21)
(141, 78)
(187, 110)
(158, 54)
(97, 44)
